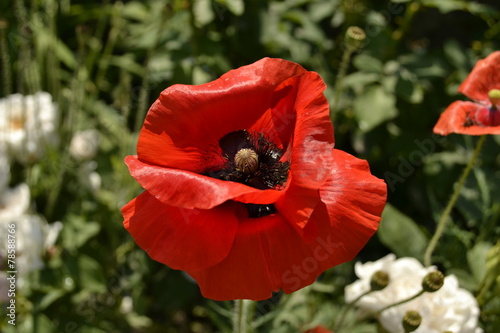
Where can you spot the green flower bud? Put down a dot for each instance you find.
(411, 321)
(433, 281)
(379, 280)
(354, 37)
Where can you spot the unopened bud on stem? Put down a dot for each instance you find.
(379, 280)
(411, 321)
(433, 281)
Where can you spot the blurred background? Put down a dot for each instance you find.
(91, 69)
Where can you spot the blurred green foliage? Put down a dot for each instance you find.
(105, 62)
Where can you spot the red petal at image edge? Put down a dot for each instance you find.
(457, 115)
(268, 254)
(319, 329)
(181, 238)
(484, 77)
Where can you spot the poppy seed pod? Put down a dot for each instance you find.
(246, 160)
(354, 37)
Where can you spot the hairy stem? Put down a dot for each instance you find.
(446, 213)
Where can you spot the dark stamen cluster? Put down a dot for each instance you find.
(269, 173)
(468, 120)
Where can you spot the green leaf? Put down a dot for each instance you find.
(401, 234)
(49, 43)
(455, 54)
(88, 273)
(203, 13)
(128, 63)
(200, 76)
(359, 80)
(367, 63)
(465, 279)
(237, 7)
(374, 107)
(77, 231)
(476, 257)
(408, 88)
(50, 298)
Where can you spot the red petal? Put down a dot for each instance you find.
(354, 200)
(313, 141)
(181, 238)
(319, 329)
(264, 253)
(459, 114)
(183, 126)
(484, 77)
(190, 190)
(268, 254)
(487, 117)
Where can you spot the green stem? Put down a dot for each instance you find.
(142, 104)
(342, 315)
(346, 57)
(401, 302)
(411, 10)
(5, 59)
(240, 314)
(446, 213)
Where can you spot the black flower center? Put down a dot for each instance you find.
(253, 160)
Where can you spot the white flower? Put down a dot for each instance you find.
(4, 169)
(14, 203)
(4, 286)
(127, 304)
(33, 235)
(30, 239)
(451, 308)
(51, 233)
(27, 124)
(84, 144)
(88, 177)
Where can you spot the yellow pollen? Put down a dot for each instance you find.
(16, 123)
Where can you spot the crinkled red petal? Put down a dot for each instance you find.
(484, 77)
(459, 118)
(261, 261)
(354, 200)
(183, 127)
(311, 157)
(487, 117)
(189, 190)
(186, 239)
(297, 120)
(268, 254)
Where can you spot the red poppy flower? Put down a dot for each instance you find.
(481, 116)
(243, 189)
(319, 329)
